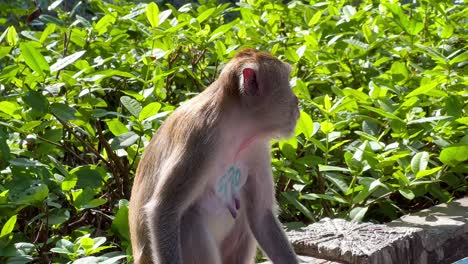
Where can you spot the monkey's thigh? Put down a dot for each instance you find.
(239, 246)
(198, 246)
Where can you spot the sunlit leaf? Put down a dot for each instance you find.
(132, 105)
(152, 14)
(205, 15)
(33, 58)
(12, 36)
(453, 155)
(64, 62)
(8, 226)
(358, 213)
(305, 125)
(149, 110)
(419, 162)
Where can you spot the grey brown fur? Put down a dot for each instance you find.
(175, 214)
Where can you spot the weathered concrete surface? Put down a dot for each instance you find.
(309, 260)
(444, 235)
(435, 235)
(343, 241)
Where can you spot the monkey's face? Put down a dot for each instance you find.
(280, 110)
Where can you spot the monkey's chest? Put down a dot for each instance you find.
(222, 199)
(224, 187)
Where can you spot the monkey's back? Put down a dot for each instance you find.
(179, 140)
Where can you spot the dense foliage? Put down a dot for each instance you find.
(382, 85)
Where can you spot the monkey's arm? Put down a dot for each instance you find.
(179, 183)
(263, 223)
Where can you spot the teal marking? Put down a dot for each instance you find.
(229, 182)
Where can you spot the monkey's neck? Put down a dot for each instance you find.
(239, 136)
(245, 144)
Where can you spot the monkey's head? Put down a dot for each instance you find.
(263, 90)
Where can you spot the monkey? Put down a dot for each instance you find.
(204, 191)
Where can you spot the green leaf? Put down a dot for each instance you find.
(105, 22)
(326, 103)
(356, 94)
(10, 108)
(99, 76)
(47, 32)
(205, 15)
(124, 140)
(454, 155)
(12, 36)
(356, 43)
(164, 15)
(314, 196)
(62, 111)
(424, 173)
(292, 198)
(116, 127)
(460, 58)
(36, 101)
(462, 120)
(399, 72)
(132, 105)
(291, 55)
(35, 194)
(419, 162)
(90, 176)
(381, 112)
(358, 213)
(120, 222)
(423, 89)
(407, 193)
(33, 58)
(149, 110)
(69, 182)
(8, 226)
(220, 31)
(315, 18)
(318, 144)
(24, 162)
(446, 31)
(301, 50)
(414, 27)
(152, 12)
(327, 127)
(348, 11)
(332, 168)
(64, 62)
(429, 119)
(305, 125)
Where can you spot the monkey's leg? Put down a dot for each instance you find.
(198, 246)
(239, 247)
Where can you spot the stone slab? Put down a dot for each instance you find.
(444, 235)
(348, 242)
(308, 260)
(435, 235)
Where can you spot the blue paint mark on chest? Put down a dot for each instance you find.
(229, 182)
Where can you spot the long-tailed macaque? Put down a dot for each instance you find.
(203, 191)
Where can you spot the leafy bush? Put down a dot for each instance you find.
(382, 85)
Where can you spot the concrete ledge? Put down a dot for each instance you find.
(435, 235)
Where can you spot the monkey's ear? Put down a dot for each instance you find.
(250, 82)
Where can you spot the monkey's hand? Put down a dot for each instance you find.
(233, 204)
